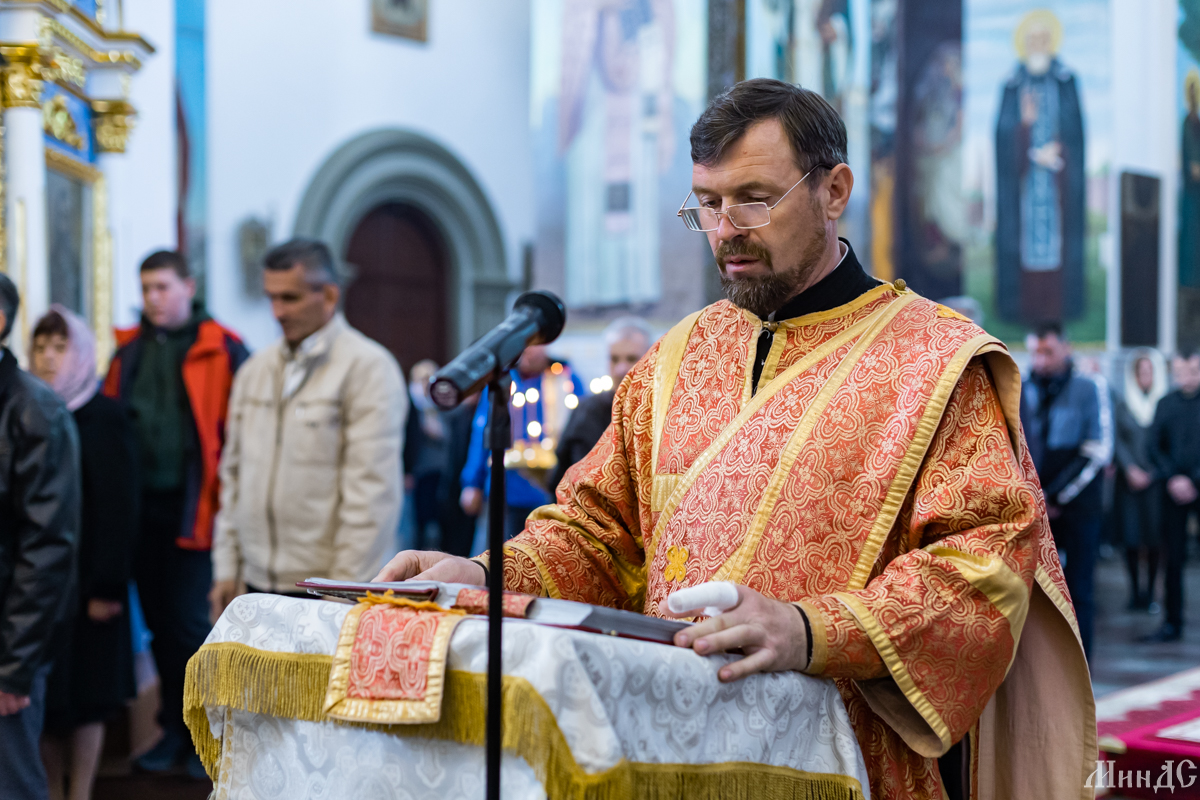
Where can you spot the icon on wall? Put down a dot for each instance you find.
(404, 18)
(1040, 218)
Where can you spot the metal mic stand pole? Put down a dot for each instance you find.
(499, 439)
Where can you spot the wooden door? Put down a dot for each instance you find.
(399, 293)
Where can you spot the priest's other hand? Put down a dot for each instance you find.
(771, 633)
(425, 565)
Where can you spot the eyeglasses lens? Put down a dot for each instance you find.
(749, 215)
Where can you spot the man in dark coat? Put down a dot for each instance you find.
(1040, 189)
(1175, 450)
(39, 528)
(175, 371)
(628, 339)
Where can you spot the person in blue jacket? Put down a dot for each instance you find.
(1067, 416)
(544, 392)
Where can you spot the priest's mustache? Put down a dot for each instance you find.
(739, 247)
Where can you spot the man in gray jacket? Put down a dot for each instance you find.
(310, 473)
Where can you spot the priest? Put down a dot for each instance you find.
(848, 453)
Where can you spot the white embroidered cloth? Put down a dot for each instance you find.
(612, 698)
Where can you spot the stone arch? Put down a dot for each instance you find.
(397, 166)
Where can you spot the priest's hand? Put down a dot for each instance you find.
(424, 565)
(771, 633)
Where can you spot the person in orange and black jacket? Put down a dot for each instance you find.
(175, 371)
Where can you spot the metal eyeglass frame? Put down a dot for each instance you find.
(726, 212)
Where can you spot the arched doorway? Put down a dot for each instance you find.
(393, 167)
(398, 295)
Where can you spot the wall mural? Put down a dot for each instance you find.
(1189, 195)
(1036, 162)
(615, 89)
(821, 45)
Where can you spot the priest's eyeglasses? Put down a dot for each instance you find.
(743, 216)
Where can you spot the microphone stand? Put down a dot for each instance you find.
(499, 439)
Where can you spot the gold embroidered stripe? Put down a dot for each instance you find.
(1003, 588)
(666, 370)
(661, 490)
(735, 566)
(887, 651)
(291, 686)
(759, 400)
(915, 455)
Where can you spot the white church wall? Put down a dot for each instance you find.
(1145, 139)
(289, 81)
(142, 192)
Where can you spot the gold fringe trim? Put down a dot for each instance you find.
(240, 677)
(390, 598)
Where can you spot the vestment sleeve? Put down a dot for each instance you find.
(932, 634)
(589, 547)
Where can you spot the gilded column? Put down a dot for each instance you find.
(25, 192)
(113, 121)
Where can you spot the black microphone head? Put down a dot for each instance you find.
(444, 393)
(550, 311)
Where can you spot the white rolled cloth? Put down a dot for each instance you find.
(713, 597)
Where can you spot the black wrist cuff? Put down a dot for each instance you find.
(807, 635)
(487, 573)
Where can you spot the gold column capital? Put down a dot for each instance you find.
(113, 120)
(21, 80)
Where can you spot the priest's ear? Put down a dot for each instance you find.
(838, 184)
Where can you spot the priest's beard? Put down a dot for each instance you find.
(764, 295)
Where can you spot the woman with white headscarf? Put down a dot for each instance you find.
(93, 671)
(1138, 493)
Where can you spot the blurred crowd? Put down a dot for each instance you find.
(138, 506)
(195, 472)
(1119, 465)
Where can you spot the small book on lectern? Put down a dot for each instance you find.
(541, 610)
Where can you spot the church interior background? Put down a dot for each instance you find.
(455, 154)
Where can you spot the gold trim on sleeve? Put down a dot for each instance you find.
(913, 458)
(887, 651)
(1058, 598)
(1003, 588)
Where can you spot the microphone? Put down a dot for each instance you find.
(537, 318)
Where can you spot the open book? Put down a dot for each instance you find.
(543, 610)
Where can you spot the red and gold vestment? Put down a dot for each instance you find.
(880, 479)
